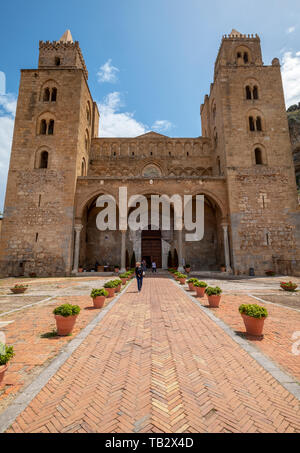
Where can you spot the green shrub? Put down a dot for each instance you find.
(118, 281)
(99, 292)
(20, 286)
(182, 276)
(8, 353)
(254, 310)
(192, 280)
(116, 266)
(200, 284)
(187, 266)
(213, 291)
(110, 284)
(123, 275)
(66, 310)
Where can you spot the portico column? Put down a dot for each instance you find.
(123, 251)
(226, 248)
(179, 241)
(77, 229)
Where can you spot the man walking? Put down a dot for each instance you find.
(139, 276)
(153, 266)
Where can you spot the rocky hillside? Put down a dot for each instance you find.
(293, 113)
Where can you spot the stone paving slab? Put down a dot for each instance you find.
(158, 363)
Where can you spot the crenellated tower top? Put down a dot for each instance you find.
(62, 54)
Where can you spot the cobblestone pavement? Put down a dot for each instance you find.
(157, 363)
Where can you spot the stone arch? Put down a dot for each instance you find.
(151, 170)
(38, 157)
(255, 121)
(242, 55)
(52, 86)
(45, 123)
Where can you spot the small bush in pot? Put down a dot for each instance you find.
(117, 268)
(65, 316)
(253, 316)
(182, 278)
(19, 289)
(187, 268)
(98, 296)
(110, 287)
(118, 284)
(123, 278)
(200, 288)
(213, 296)
(6, 353)
(288, 286)
(191, 282)
(270, 273)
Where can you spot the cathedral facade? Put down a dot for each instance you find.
(242, 165)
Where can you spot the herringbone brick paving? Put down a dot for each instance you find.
(157, 363)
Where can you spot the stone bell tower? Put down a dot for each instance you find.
(55, 121)
(245, 117)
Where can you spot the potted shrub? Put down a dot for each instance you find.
(98, 296)
(213, 296)
(254, 317)
(176, 275)
(187, 268)
(191, 282)
(110, 288)
(65, 316)
(118, 284)
(223, 268)
(80, 269)
(270, 273)
(6, 353)
(199, 287)
(19, 289)
(117, 268)
(123, 278)
(288, 286)
(182, 278)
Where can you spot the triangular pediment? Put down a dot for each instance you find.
(152, 134)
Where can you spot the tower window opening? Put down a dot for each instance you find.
(57, 61)
(43, 162)
(43, 127)
(255, 92)
(258, 156)
(239, 55)
(258, 124)
(54, 95)
(36, 237)
(46, 97)
(248, 93)
(246, 57)
(251, 123)
(51, 127)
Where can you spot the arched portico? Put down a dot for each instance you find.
(108, 248)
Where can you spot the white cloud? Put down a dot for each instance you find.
(162, 125)
(7, 114)
(108, 73)
(290, 30)
(291, 77)
(114, 123)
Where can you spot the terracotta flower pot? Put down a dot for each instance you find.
(223, 269)
(18, 290)
(3, 369)
(188, 269)
(124, 280)
(111, 292)
(200, 291)
(80, 269)
(191, 286)
(182, 281)
(99, 301)
(254, 326)
(118, 288)
(214, 301)
(65, 324)
(117, 269)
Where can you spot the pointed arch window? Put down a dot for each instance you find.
(255, 92)
(54, 94)
(248, 92)
(251, 123)
(43, 127)
(258, 124)
(46, 96)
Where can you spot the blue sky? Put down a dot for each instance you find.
(150, 62)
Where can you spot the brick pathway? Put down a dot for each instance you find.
(157, 363)
(278, 330)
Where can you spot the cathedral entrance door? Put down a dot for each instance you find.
(151, 247)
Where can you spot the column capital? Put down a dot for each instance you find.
(78, 228)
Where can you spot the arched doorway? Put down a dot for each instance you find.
(151, 247)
